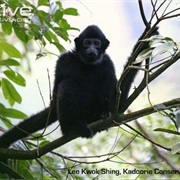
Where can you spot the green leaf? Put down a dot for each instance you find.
(43, 2)
(9, 62)
(48, 36)
(168, 39)
(44, 143)
(144, 55)
(75, 29)
(64, 25)
(167, 131)
(21, 33)
(42, 15)
(23, 168)
(163, 48)
(0, 54)
(10, 50)
(62, 34)
(54, 37)
(59, 46)
(6, 121)
(71, 11)
(12, 113)
(13, 4)
(38, 136)
(57, 16)
(7, 28)
(15, 77)
(10, 93)
(34, 31)
(26, 172)
(2, 105)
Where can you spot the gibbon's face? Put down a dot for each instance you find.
(91, 45)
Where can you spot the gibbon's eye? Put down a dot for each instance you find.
(87, 42)
(97, 43)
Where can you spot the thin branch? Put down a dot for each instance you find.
(159, 71)
(169, 17)
(172, 12)
(154, 11)
(143, 14)
(164, 61)
(164, 157)
(161, 5)
(41, 93)
(116, 141)
(49, 80)
(166, 7)
(107, 156)
(147, 138)
(48, 118)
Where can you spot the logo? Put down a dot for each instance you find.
(9, 15)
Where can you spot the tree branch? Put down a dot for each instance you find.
(97, 126)
(160, 154)
(143, 84)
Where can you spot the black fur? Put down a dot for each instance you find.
(84, 91)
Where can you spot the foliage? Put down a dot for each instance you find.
(27, 24)
(45, 23)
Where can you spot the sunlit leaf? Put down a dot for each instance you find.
(163, 48)
(21, 33)
(43, 2)
(54, 37)
(7, 28)
(9, 92)
(59, 46)
(57, 16)
(15, 77)
(48, 36)
(44, 143)
(144, 55)
(64, 25)
(9, 62)
(12, 113)
(62, 34)
(167, 131)
(71, 11)
(10, 50)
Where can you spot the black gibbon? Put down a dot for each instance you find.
(84, 90)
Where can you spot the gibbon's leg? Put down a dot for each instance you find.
(73, 109)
